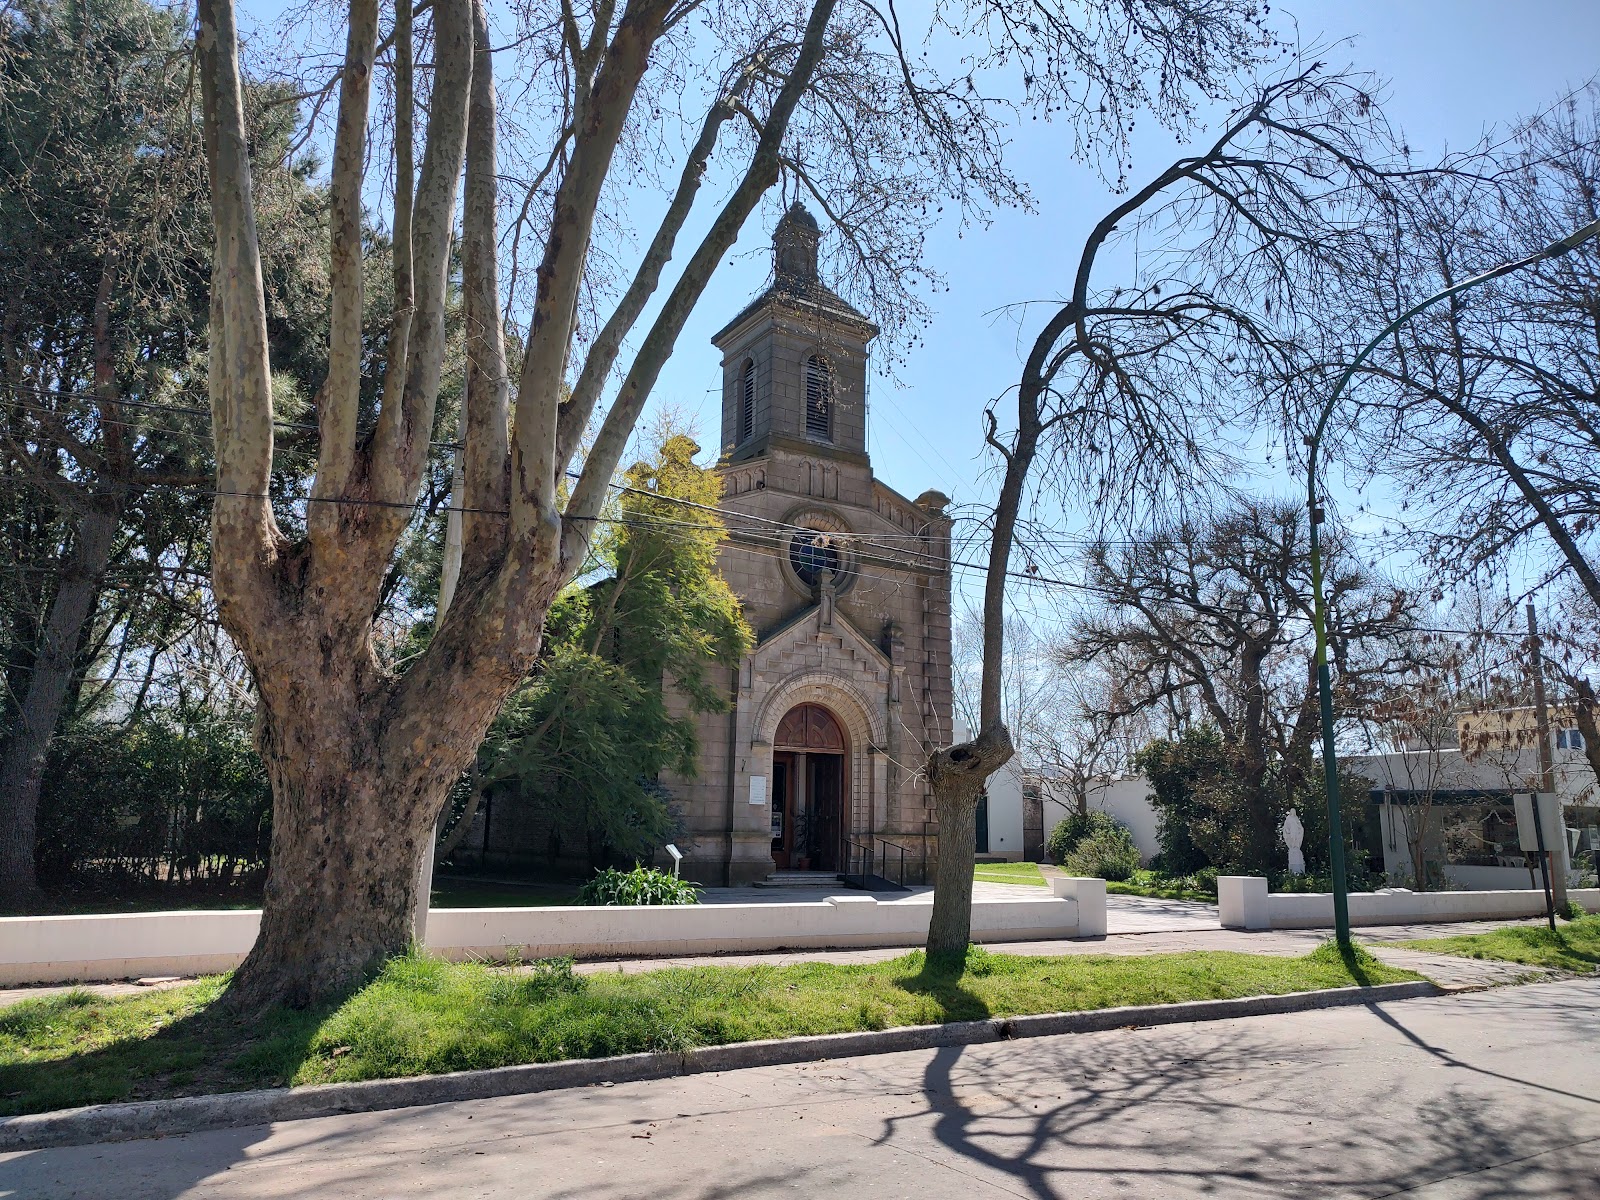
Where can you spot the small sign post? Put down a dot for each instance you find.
(1530, 835)
(677, 858)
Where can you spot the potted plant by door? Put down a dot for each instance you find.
(802, 841)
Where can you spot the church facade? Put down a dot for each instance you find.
(846, 583)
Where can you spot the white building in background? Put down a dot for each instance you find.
(1128, 799)
(1452, 808)
(1000, 816)
(1124, 797)
(1000, 810)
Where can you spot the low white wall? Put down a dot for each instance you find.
(124, 945)
(722, 928)
(129, 945)
(1246, 904)
(1089, 895)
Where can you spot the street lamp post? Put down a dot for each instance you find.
(1330, 764)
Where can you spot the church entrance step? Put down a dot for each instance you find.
(800, 879)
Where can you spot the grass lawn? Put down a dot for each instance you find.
(423, 1015)
(1147, 883)
(475, 893)
(455, 892)
(1573, 946)
(1025, 873)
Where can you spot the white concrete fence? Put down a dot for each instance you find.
(1243, 902)
(133, 945)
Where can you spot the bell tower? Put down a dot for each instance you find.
(794, 362)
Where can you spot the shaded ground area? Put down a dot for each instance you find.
(1141, 914)
(1431, 1098)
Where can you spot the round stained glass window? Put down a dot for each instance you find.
(812, 553)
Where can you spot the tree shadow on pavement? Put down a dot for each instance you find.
(1236, 1110)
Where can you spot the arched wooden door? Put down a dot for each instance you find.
(808, 793)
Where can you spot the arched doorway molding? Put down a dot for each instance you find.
(863, 725)
(865, 730)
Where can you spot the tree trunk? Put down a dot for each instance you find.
(956, 777)
(28, 746)
(361, 765)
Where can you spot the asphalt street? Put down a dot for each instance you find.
(1490, 1094)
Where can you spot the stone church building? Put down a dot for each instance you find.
(846, 583)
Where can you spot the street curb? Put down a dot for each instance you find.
(231, 1110)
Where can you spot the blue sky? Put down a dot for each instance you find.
(1456, 68)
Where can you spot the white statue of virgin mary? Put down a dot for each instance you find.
(1294, 836)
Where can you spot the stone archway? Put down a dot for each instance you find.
(810, 790)
(862, 724)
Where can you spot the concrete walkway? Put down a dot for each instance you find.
(1446, 970)
(1481, 1097)
(913, 895)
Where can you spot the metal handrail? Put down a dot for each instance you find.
(863, 860)
(884, 846)
(857, 861)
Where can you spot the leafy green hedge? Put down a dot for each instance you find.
(642, 885)
(1108, 854)
(176, 797)
(1064, 838)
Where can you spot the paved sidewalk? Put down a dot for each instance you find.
(919, 894)
(1146, 914)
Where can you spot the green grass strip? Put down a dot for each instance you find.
(423, 1015)
(1147, 883)
(1572, 946)
(1025, 873)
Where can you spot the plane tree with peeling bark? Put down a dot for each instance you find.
(1131, 397)
(832, 94)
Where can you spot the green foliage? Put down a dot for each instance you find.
(1107, 854)
(585, 741)
(1311, 802)
(106, 243)
(423, 1015)
(536, 982)
(1205, 811)
(1025, 874)
(1200, 886)
(176, 797)
(642, 885)
(1064, 838)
